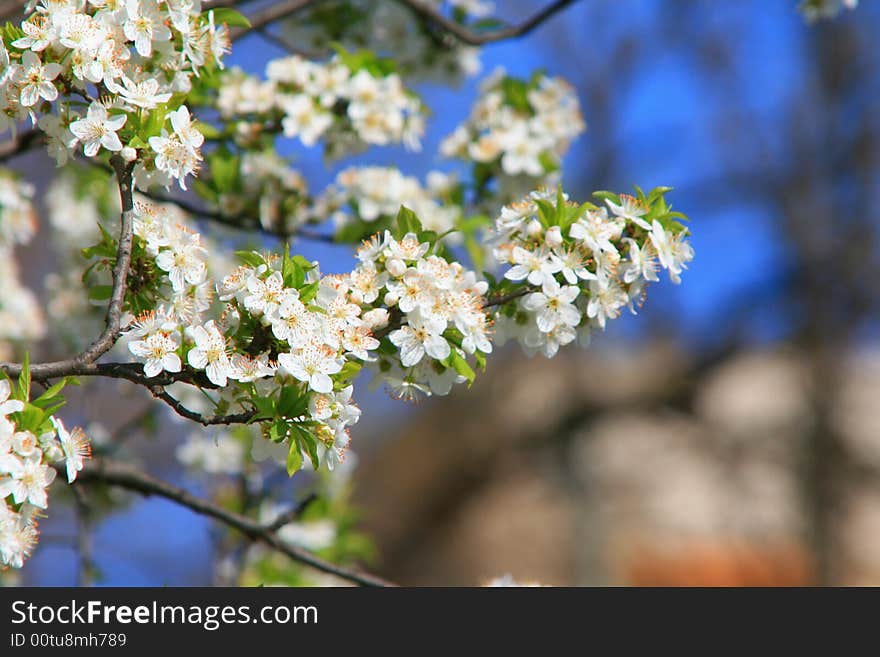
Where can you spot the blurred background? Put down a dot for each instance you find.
(727, 435)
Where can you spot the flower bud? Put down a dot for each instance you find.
(396, 267)
(128, 154)
(534, 228)
(376, 318)
(553, 237)
(391, 299)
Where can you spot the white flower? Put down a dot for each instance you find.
(144, 25)
(596, 231)
(605, 301)
(302, 118)
(534, 266)
(38, 34)
(294, 322)
(420, 336)
(313, 363)
(36, 78)
(264, 297)
(183, 127)
(184, 262)
(75, 446)
(98, 129)
(335, 408)
(174, 157)
(27, 479)
(522, 152)
(158, 352)
(209, 353)
(17, 539)
(642, 262)
(553, 306)
(662, 242)
(574, 264)
(82, 34)
(7, 405)
(630, 208)
(144, 93)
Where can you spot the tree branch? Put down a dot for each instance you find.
(113, 320)
(124, 476)
(235, 221)
(285, 8)
(18, 145)
(275, 11)
(291, 515)
(207, 420)
(472, 38)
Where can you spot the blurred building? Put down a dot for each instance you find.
(628, 467)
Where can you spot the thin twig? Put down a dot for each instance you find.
(124, 476)
(472, 38)
(207, 420)
(20, 144)
(291, 515)
(275, 11)
(239, 222)
(113, 319)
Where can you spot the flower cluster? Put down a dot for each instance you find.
(582, 264)
(31, 439)
(20, 316)
(374, 194)
(815, 10)
(308, 327)
(518, 128)
(350, 101)
(438, 306)
(179, 257)
(125, 60)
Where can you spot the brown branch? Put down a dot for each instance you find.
(124, 476)
(501, 300)
(472, 38)
(207, 420)
(113, 320)
(239, 222)
(287, 8)
(282, 43)
(20, 144)
(291, 515)
(275, 11)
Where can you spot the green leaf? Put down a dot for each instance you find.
(100, 292)
(607, 196)
(349, 371)
(291, 402)
(24, 379)
(265, 407)
(251, 258)
(307, 441)
(460, 365)
(407, 222)
(516, 94)
(49, 395)
(294, 458)
(546, 212)
(308, 292)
